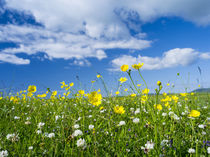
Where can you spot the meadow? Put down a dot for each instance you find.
(87, 123)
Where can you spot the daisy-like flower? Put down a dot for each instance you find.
(208, 150)
(137, 111)
(121, 123)
(16, 117)
(76, 126)
(191, 151)
(51, 135)
(30, 148)
(77, 133)
(4, 153)
(136, 120)
(81, 143)
(38, 131)
(201, 126)
(91, 127)
(40, 125)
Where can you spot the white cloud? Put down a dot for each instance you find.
(9, 58)
(82, 29)
(171, 58)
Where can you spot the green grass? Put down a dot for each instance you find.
(107, 138)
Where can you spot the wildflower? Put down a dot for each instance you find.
(168, 84)
(101, 108)
(208, 150)
(136, 120)
(137, 111)
(54, 93)
(133, 95)
(30, 94)
(191, 151)
(76, 126)
(145, 91)
(95, 98)
(16, 117)
(81, 143)
(144, 98)
(121, 123)
(164, 143)
(194, 113)
(38, 132)
(98, 76)
(27, 122)
(32, 89)
(41, 95)
(1, 98)
(117, 92)
(159, 83)
(158, 106)
(71, 84)
(12, 137)
(77, 133)
(3, 153)
(123, 79)
(183, 94)
(138, 85)
(148, 146)
(126, 89)
(40, 125)
(91, 127)
(137, 66)
(30, 148)
(51, 135)
(119, 109)
(164, 114)
(124, 67)
(201, 126)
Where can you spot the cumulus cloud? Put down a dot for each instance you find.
(171, 58)
(82, 29)
(9, 58)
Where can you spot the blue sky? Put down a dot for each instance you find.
(46, 42)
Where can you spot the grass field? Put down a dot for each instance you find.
(88, 124)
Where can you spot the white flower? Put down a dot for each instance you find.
(191, 151)
(76, 126)
(164, 123)
(131, 109)
(149, 145)
(203, 133)
(201, 126)
(91, 127)
(57, 117)
(164, 114)
(171, 113)
(137, 111)
(3, 153)
(81, 143)
(40, 125)
(208, 150)
(77, 133)
(30, 148)
(164, 143)
(27, 122)
(136, 120)
(90, 116)
(51, 135)
(16, 117)
(121, 123)
(28, 118)
(38, 131)
(12, 137)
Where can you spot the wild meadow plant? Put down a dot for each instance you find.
(81, 123)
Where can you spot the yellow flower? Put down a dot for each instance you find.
(99, 90)
(145, 91)
(126, 89)
(98, 76)
(81, 92)
(54, 93)
(144, 98)
(123, 79)
(137, 66)
(168, 84)
(159, 83)
(167, 104)
(192, 93)
(164, 94)
(117, 92)
(41, 95)
(194, 113)
(199, 85)
(101, 108)
(1, 98)
(93, 81)
(133, 95)
(119, 109)
(175, 98)
(30, 94)
(95, 98)
(138, 85)
(63, 84)
(124, 67)
(67, 88)
(71, 84)
(32, 89)
(183, 94)
(158, 106)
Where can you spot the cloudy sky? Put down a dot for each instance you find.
(45, 42)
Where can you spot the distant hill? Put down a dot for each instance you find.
(202, 90)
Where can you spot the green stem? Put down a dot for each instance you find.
(142, 78)
(133, 82)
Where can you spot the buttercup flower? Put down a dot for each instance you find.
(194, 113)
(119, 109)
(124, 67)
(32, 89)
(137, 66)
